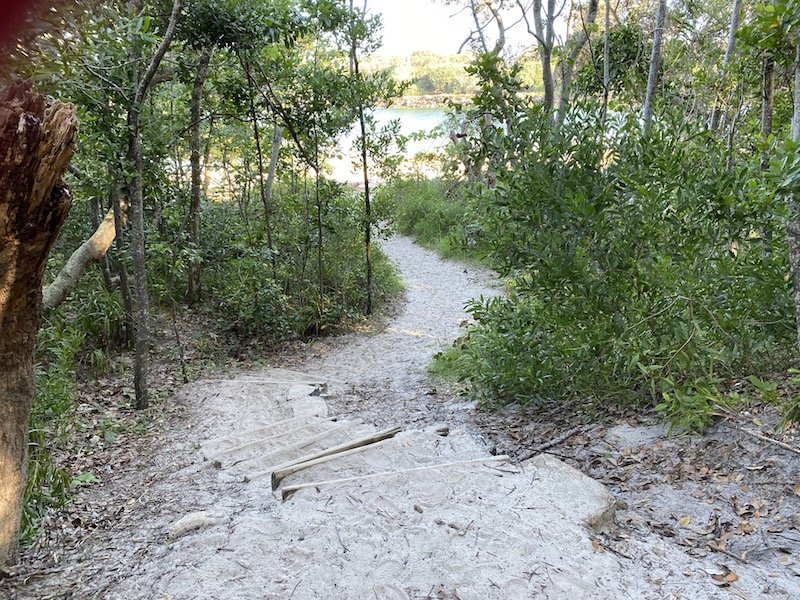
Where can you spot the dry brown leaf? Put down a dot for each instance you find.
(597, 546)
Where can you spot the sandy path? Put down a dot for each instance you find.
(383, 377)
(197, 520)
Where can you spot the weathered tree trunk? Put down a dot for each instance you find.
(655, 64)
(567, 67)
(726, 61)
(36, 144)
(194, 202)
(275, 154)
(91, 250)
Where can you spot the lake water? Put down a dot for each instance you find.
(412, 121)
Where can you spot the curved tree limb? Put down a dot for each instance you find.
(91, 250)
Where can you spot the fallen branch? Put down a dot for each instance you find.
(555, 442)
(291, 489)
(279, 475)
(765, 438)
(363, 441)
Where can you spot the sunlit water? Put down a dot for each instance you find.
(416, 123)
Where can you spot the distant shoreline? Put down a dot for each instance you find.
(443, 100)
(431, 101)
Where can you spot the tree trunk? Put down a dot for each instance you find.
(36, 144)
(567, 67)
(91, 250)
(354, 66)
(121, 253)
(726, 61)
(793, 227)
(138, 254)
(544, 32)
(277, 140)
(655, 63)
(768, 95)
(261, 184)
(607, 60)
(194, 203)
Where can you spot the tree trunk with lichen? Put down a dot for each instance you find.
(36, 144)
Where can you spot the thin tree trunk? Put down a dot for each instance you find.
(195, 265)
(655, 63)
(277, 140)
(793, 227)
(261, 184)
(716, 112)
(607, 60)
(121, 253)
(37, 143)
(568, 64)
(768, 95)
(544, 33)
(138, 253)
(365, 164)
(207, 156)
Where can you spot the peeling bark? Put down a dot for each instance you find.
(36, 145)
(91, 250)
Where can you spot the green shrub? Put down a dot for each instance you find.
(638, 270)
(438, 214)
(281, 292)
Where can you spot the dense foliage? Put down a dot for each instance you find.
(639, 267)
(245, 229)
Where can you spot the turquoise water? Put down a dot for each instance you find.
(412, 120)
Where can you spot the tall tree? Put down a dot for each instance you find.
(543, 30)
(655, 65)
(142, 84)
(197, 184)
(567, 65)
(36, 144)
(716, 112)
(794, 207)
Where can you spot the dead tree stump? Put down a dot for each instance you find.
(36, 145)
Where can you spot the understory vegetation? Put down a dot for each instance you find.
(646, 269)
(230, 228)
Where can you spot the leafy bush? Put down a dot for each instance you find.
(638, 269)
(282, 292)
(437, 213)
